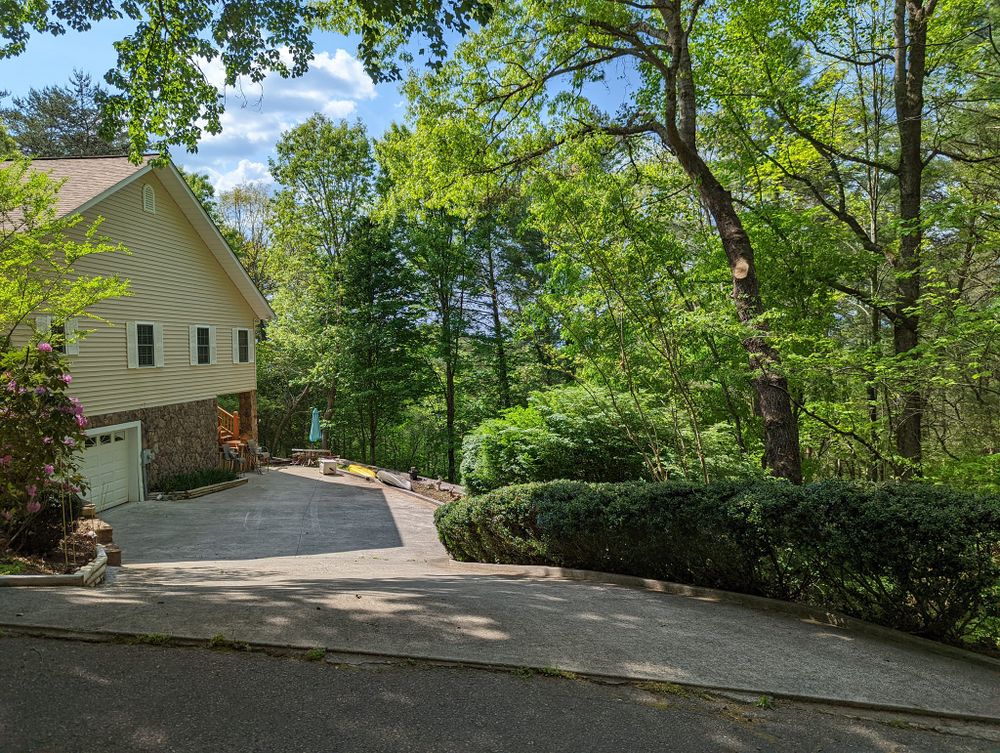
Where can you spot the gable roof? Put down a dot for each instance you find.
(89, 180)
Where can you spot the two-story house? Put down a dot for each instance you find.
(150, 373)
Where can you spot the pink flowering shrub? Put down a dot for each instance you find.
(41, 433)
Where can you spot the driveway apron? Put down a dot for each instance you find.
(307, 560)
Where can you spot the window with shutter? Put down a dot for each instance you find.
(244, 345)
(204, 345)
(145, 344)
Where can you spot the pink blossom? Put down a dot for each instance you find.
(81, 421)
(6, 459)
(32, 490)
(12, 386)
(69, 442)
(46, 440)
(49, 469)
(34, 507)
(66, 378)
(41, 390)
(44, 347)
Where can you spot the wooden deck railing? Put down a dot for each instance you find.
(229, 422)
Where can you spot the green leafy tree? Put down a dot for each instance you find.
(325, 171)
(247, 215)
(526, 76)
(62, 121)
(201, 186)
(381, 342)
(159, 90)
(39, 250)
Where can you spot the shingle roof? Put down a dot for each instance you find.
(86, 177)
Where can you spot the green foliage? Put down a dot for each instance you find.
(39, 251)
(201, 186)
(565, 433)
(246, 214)
(161, 94)
(62, 121)
(41, 428)
(915, 557)
(183, 482)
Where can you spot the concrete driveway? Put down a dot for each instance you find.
(296, 558)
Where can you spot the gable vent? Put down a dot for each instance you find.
(148, 199)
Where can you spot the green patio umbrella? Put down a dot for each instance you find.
(314, 431)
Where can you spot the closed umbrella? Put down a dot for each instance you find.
(314, 431)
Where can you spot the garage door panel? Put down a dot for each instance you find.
(106, 467)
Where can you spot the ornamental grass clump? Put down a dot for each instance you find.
(41, 433)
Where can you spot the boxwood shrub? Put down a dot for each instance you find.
(916, 557)
(183, 482)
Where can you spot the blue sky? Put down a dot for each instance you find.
(335, 84)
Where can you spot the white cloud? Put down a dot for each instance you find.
(246, 171)
(257, 113)
(346, 68)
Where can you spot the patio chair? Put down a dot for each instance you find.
(232, 459)
(257, 456)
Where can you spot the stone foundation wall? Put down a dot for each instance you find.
(181, 438)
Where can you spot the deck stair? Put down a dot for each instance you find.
(229, 425)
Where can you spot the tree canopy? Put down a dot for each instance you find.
(160, 95)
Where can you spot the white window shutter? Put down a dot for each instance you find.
(72, 344)
(158, 344)
(133, 351)
(193, 344)
(213, 347)
(236, 345)
(43, 323)
(251, 346)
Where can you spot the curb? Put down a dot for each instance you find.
(791, 609)
(89, 575)
(110, 636)
(201, 491)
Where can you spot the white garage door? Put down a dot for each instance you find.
(106, 466)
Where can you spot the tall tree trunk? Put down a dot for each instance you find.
(372, 434)
(503, 379)
(331, 401)
(449, 398)
(875, 470)
(781, 429)
(910, 29)
(277, 444)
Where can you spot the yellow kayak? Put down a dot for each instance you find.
(361, 470)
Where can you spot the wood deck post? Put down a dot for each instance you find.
(248, 414)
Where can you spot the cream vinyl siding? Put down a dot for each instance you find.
(176, 283)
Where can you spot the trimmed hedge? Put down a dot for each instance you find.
(920, 558)
(186, 481)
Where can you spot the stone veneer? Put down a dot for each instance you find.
(182, 437)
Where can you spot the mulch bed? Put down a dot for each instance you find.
(431, 490)
(73, 552)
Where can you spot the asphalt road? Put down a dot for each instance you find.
(58, 696)
(295, 558)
